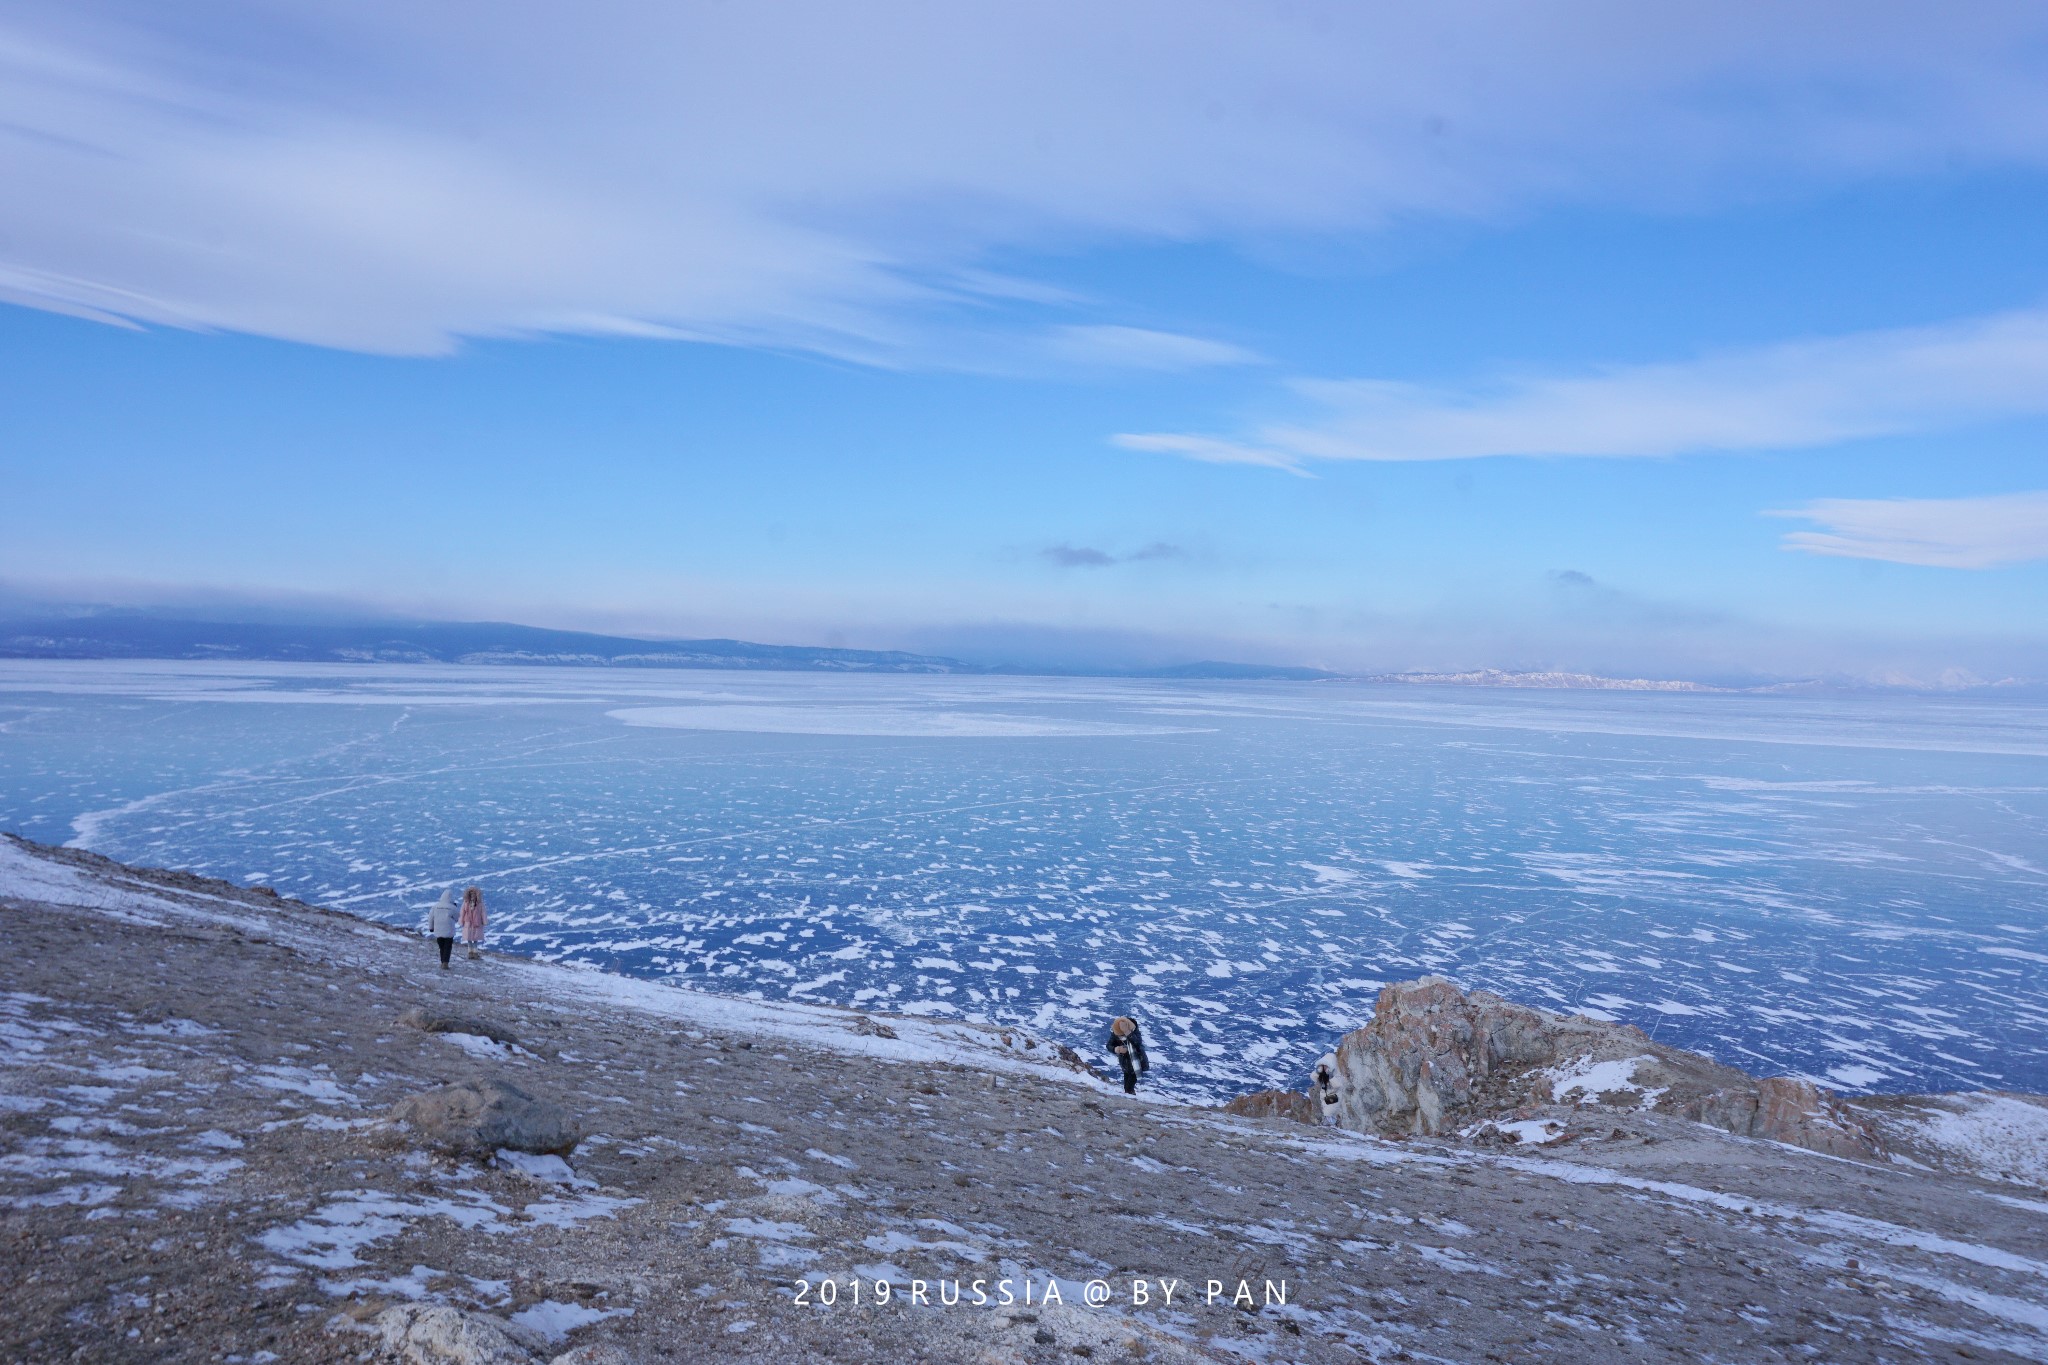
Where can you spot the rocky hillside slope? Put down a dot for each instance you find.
(241, 1129)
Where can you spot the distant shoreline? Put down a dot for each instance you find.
(140, 635)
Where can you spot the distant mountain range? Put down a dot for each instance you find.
(1590, 682)
(130, 633)
(149, 635)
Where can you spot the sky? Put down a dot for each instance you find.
(1666, 341)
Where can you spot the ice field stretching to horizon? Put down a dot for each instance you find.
(1846, 888)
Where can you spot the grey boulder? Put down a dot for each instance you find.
(439, 1335)
(478, 1117)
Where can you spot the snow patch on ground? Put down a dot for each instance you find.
(551, 1169)
(555, 1320)
(1589, 1080)
(2003, 1137)
(298, 1080)
(563, 1213)
(1533, 1132)
(768, 1229)
(329, 1237)
(488, 1049)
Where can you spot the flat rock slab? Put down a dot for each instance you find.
(476, 1118)
(439, 1021)
(437, 1335)
(1275, 1104)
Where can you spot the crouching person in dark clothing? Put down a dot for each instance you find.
(1129, 1046)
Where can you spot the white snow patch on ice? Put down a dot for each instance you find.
(2020, 953)
(893, 721)
(1856, 1075)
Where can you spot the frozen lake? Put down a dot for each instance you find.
(1845, 888)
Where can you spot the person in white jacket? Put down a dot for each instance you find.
(441, 924)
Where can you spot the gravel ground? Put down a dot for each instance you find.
(195, 1164)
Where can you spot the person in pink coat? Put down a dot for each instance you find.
(473, 918)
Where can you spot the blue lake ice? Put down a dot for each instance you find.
(1849, 889)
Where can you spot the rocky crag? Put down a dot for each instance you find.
(1436, 1061)
(235, 1128)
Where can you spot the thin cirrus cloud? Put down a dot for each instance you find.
(1949, 533)
(394, 178)
(1797, 394)
(1140, 348)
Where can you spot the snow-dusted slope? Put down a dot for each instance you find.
(195, 1160)
(72, 880)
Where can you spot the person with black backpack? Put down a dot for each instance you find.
(1323, 1090)
(1129, 1046)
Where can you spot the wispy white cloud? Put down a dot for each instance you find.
(395, 177)
(1212, 450)
(1798, 394)
(1139, 348)
(1949, 533)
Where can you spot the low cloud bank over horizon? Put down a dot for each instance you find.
(1579, 626)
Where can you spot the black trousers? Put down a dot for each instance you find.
(1130, 1074)
(446, 945)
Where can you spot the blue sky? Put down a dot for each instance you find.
(1708, 344)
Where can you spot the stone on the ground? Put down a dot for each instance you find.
(1275, 1104)
(478, 1117)
(438, 1335)
(438, 1021)
(596, 1353)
